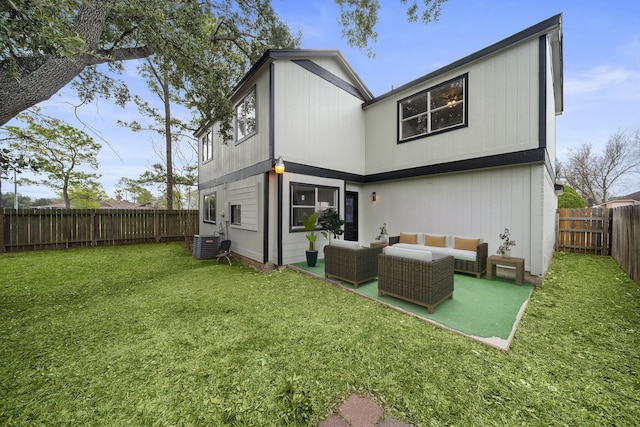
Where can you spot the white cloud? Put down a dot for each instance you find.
(602, 79)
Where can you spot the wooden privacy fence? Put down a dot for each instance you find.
(583, 230)
(35, 229)
(625, 239)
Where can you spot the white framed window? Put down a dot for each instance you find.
(209, 207)
(308, 198)
(207, 147)
(236, 214)
(434, 110)
(245, 116)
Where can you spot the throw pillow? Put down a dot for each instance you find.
(466, 244)
(408, 238)
(435, 241)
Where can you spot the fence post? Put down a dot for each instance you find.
(156, 225)
(2, 248)
(557, 245)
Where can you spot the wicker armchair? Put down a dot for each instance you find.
(351, 265)
(427, 283)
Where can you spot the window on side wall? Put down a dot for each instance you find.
(245, 116)
(306, 199)
(209, 206)
(236, 214)
(207, 147)
(438, 109)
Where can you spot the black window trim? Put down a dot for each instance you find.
(439, 131)
(297, 229)
(235, 117)
(206, 207)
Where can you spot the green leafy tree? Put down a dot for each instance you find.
(132, 188)
(358, 19)
(184, 182)
(163, 123)
(11, 162)
(58, 150)
(42, 202)
(87, 196)
(570, 199)
(45, 45)
(9, 199)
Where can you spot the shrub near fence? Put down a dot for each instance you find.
(35, 229)
(625, 240)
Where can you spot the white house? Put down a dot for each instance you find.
(468, 149)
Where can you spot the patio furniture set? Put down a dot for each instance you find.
(416, 267)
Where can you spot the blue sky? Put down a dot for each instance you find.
(601, 68)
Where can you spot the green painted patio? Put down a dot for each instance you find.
(488, 311)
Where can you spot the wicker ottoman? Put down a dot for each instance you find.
(427, 283)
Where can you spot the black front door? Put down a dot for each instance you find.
(351, 216)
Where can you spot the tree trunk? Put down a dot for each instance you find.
(42, 76)
(169, 147)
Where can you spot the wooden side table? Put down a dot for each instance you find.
(495, 260)
(378, 244)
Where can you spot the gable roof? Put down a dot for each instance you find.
(301, 55)
(551, 25)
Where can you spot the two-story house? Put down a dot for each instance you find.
(468, 149)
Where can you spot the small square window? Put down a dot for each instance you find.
(236, 211)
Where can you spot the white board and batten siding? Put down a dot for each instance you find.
(246, 236)
(230, 156)
(294, 244)
(477, 204)
(317, 123)
(502, 102)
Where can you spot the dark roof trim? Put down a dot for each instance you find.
(542, 91)
(537, 155)
(273, 54)
(330, 77)
(539, 28)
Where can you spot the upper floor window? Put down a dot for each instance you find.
(207, 147)
(209, 208)
(245, 116)
(438, 109)
(308, 199)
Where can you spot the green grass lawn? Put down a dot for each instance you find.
(147, 335)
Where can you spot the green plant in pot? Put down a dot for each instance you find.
(310, 224)
(507, 243)
(332, 223)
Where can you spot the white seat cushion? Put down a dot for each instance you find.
(344, 244)
(408, 253)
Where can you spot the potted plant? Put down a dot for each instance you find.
(332, 223)
(382, 236)
(310, 224)
(505, 248)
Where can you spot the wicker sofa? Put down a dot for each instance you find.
(466, 259)
(416, 279)
(350, 262)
